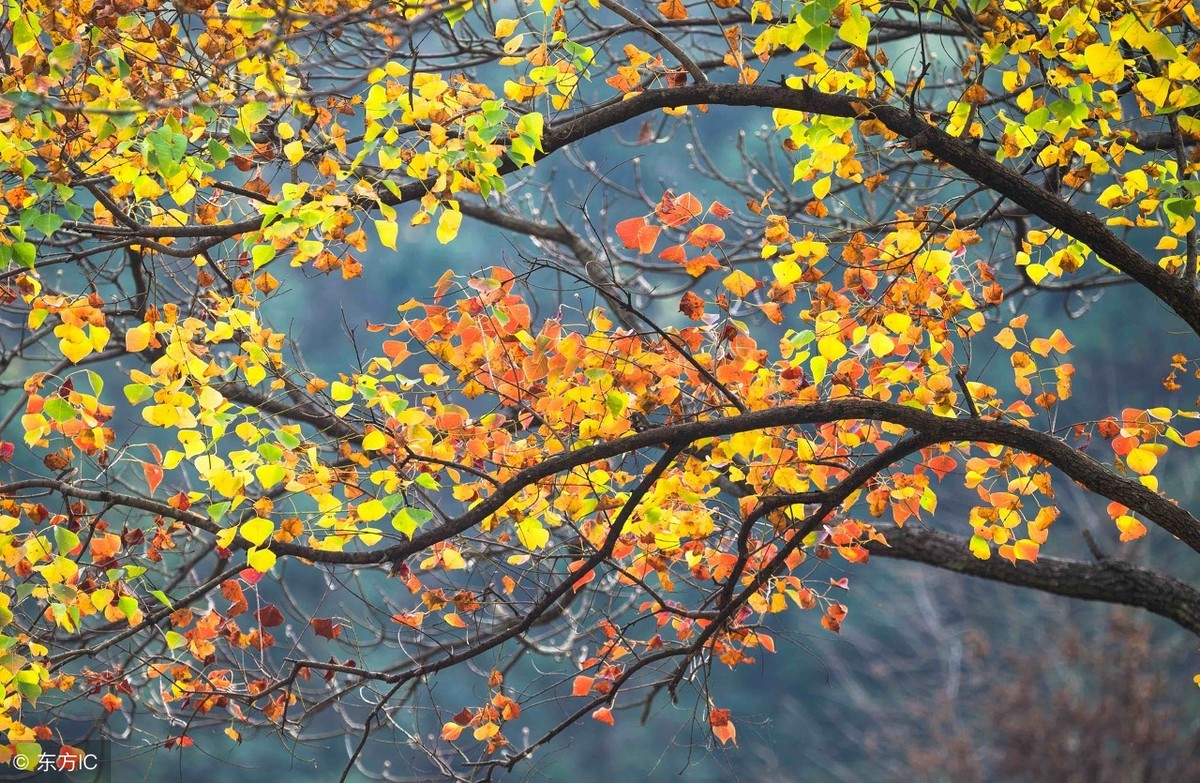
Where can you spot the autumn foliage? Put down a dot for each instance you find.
(631, 491)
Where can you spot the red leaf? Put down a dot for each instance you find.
(269, 616)
(326, 627)
(604, 715)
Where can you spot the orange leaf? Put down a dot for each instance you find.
(941, 465)
(707, 234)
(604, 715)
(701, 264)
(396, 350)
(741, 284)
(1026, 549)
(637, 234)
(722, 727)
(582, 686)
(232, 592)
(1130, 528)
(719, 210)
(676, 254)
(672, 9)
(153, 474)
(674, 211)
(692, 306)
(443, 285)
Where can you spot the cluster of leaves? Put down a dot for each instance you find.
(655, 491)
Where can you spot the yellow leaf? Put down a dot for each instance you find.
(532, 534)
(980, 548)
(260, 560)
(486, 731)
(1130, 528)
(138, 338)
(257, 529)
(1104, 62)
(881, 345)
(855, 28)
(667, 542)
(371, 510)
(505, 27)
(740, 284)
(452, 560)
(75, 350)
(448, 224)
(387, 230)
(374, 441)
(831, 348)
(294, 151)
(786, 272)
(1141, 460)
(897, 322)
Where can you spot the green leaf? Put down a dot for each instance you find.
(64, 56)
(47, 222)
(252, 114)
(287, 439)
(65, 540)
(128, 606)
(217, 151)
(816, 14)
(59, 409)
(138, 392)
(1183, 207)
(819, 38)
(96, 381)
(262, 255)
(409, 519)
(24, 254)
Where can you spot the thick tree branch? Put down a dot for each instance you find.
(1110, 581)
